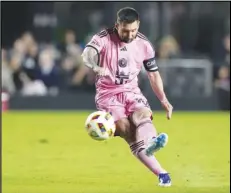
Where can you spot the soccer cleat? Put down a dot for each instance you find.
(164, 180)
(157, 143)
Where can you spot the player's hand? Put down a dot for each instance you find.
(100, 71)
(168, 107)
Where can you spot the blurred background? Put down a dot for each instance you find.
(42, 43)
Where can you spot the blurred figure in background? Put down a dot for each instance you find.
(7, 81)
(30, 61)
(41, 69)
(227, 49)
(28, 39)
(222, 82)
(42, 74)
(75, 75)
(47, 70)
(17, 55)
(23, 63)
(222, 85)
(224, 56)
(169, 48)
(69, 46)
(67, 71)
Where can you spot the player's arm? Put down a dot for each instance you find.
(91, 55)
(156, 80)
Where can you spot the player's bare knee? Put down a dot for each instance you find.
(122, 127)
(140, 115)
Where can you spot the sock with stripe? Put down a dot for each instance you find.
(145, 131)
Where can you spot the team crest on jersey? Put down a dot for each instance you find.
(123, 63)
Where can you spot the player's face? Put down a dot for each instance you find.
(127, 31)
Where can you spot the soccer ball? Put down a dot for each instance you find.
(100, 125)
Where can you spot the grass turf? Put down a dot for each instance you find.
(50, 152)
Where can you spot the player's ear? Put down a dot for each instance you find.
(138, 23)
(116, 25)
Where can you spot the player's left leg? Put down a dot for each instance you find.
(146, 137)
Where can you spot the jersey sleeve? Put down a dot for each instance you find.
(97, 42)
(150, 61)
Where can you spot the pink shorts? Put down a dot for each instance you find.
(123, 104)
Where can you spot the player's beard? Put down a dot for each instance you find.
(127, 40)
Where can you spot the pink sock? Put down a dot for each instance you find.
(144, 132)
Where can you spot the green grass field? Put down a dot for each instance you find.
(50, 152)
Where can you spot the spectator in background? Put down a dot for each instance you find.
(28, 40)
(69, 46)
(223, 58)
(67, 72)
(7, 81)
(36, 70)
(23, 56)
(17, 55)
(82, 76)
(44, 73)
(32, 88)
(168, 48)
(19, 47)
(75, 74)
(30, 62)
(47, 70)
(222, 85)
(222, 82)
(23, 64)
(227, 49)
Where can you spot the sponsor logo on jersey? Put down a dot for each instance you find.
(123, 49)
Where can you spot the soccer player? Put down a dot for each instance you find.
(117, 55)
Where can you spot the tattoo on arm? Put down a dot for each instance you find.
(90, 56)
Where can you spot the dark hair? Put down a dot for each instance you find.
(127, 15)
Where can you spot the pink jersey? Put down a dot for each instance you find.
(123, 61)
